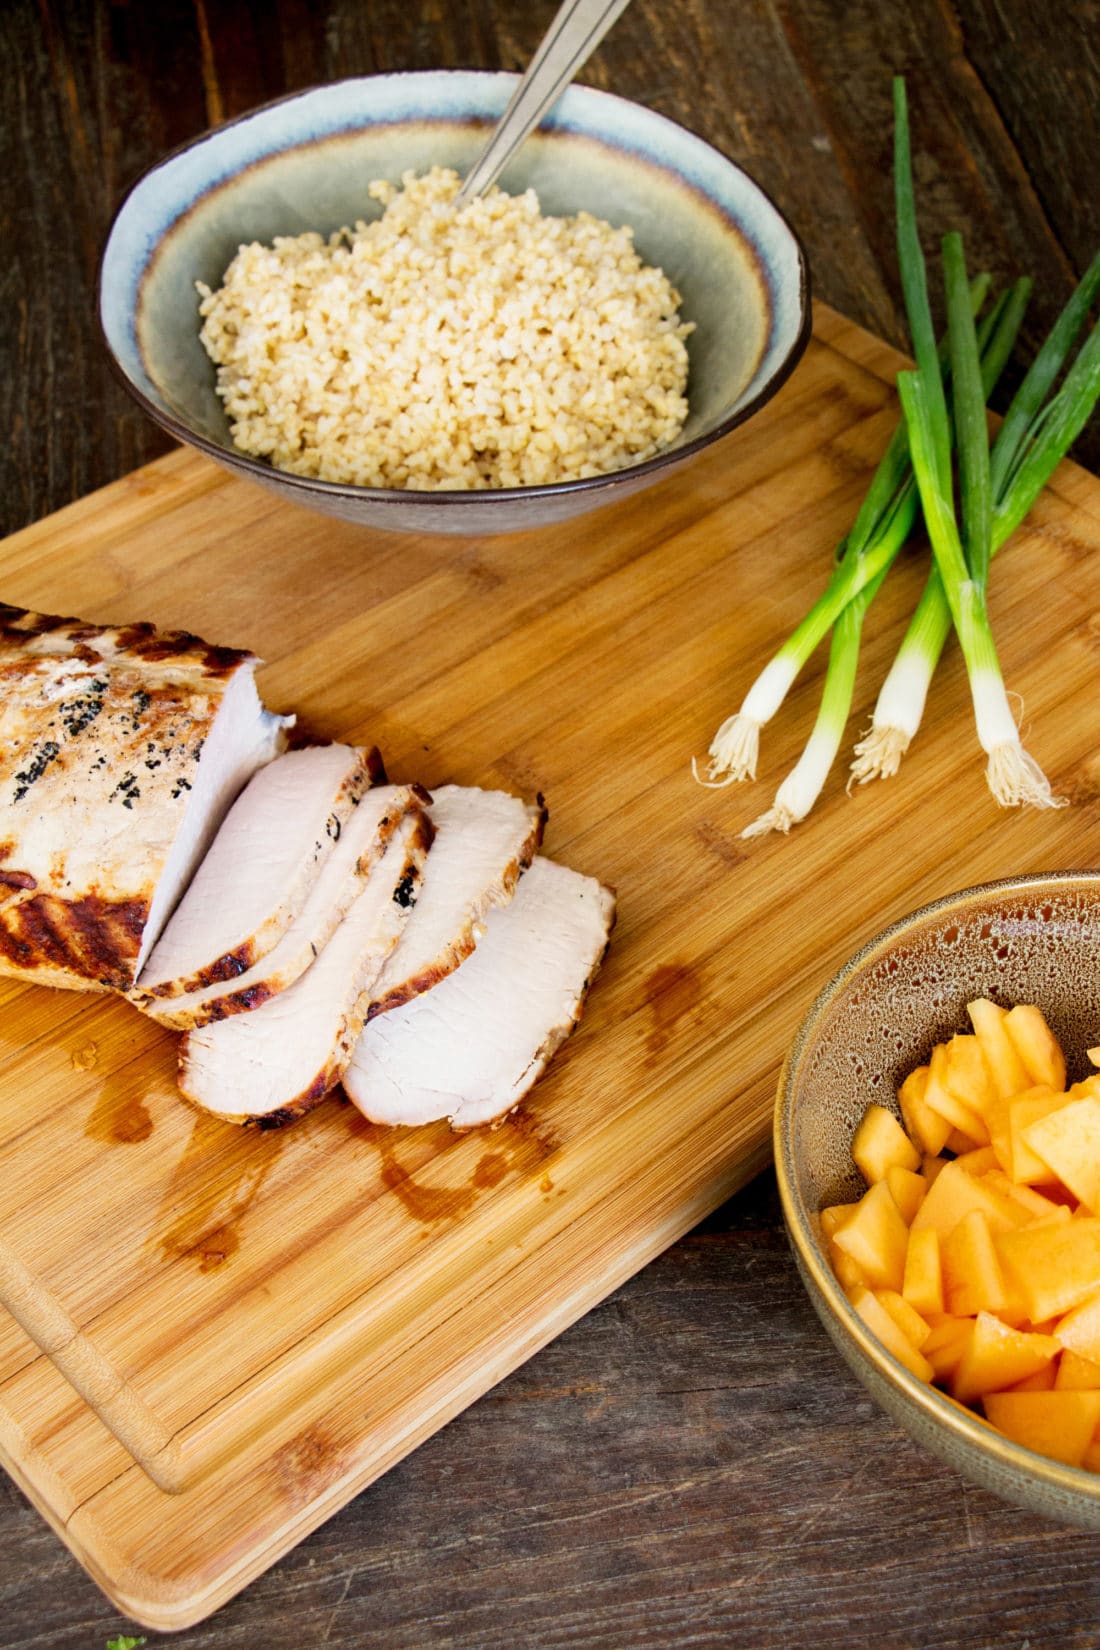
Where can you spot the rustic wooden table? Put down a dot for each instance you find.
(691, 1464)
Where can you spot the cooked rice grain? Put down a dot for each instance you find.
(449, 347)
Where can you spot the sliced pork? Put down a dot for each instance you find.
(363, 840)
(120, 751)
(471, 1048)
(260, 867)
(270, 1066)
(483, 841)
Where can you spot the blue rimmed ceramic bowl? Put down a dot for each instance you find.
(305, 163)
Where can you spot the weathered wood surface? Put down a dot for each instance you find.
(690, 1464)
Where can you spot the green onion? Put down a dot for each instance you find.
(962, 559)
(882, 526)
(1031, 442)
(803, 785)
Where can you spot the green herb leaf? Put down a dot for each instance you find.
(124, 1642)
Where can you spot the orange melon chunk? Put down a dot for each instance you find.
(883, 1327)
(939, 1097)
(835, 1216)
(1039, 1050)
(979, 1160)
(922, 1281)
(1068, 1141)
(946, 1344)
(972, 1277)
(1024, 1167)
(967, 1075)
(925, 1127)
(997, 1357)
(1058, 1424)
(1043, 1380)
(1077, 1374)
(908, 1190)
(954, 1193)
(876, 1237)
(880, 1143)
(907, 1318)
(1079, 1330)
(1006, 1070)
(1054, 1264)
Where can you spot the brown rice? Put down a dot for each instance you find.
(445, 347)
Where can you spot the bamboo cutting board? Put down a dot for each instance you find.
(261, 1324)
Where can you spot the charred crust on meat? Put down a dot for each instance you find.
(46, 753)
(18, 879)
(180, 785)
(332, 827)
(421, 794)
(127, 791)
(405, 892)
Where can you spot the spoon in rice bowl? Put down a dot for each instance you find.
(577, 29)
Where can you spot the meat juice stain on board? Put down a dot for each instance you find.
(228, 1168)
(518, 1148)
(672, 991)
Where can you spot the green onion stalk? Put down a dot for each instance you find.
(882, 526)
(1036, 434)
(803, 785)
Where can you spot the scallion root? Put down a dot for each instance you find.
(1017, 780)
(734, 750)
(878, 754)
(777, 818)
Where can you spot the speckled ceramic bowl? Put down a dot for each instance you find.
(305, 162)
(1034, 939)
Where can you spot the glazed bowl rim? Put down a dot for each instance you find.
(266, 473)
(936, 1407)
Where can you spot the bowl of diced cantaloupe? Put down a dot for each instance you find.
(937, 1145)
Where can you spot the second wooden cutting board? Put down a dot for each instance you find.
(283, 1316)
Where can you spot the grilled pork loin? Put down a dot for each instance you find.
(363, 840)
(120, 751)
(471, 1048)
(483, 841)
(260, 867)
(270, 1066)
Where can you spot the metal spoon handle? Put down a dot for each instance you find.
(572, 37)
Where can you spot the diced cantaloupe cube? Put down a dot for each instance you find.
(939, 1097)
(946, 1344)
(973, 1280)
(883, 1327)
(1077, 1374)
(1058, 1424)
(1054, 1264)
(880, 1143)
(908, 1190)
(1024, 1109)
(835, 1215)
(925, 1127)
(1068, 1141)
(967, 1075)
(954, 1193)
(997, 1357)
(1035, 1204)
(1007, 1071)
(1043, 1380)
(1079, 1329)
(922, 1282)
(1039, 1050)
(849, 1274)
(876, 1237)
(979, 1160)
(908, 1320)
(1091, 1458)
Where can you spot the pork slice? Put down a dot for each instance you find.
(483, 841)
(260, 867)
(270, 1066)
(471, 1048)
(120, 750)
(362, 843)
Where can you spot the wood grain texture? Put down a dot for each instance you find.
(283, 1317)
(690, 1464)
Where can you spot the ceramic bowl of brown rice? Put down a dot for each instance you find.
(299, 295)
